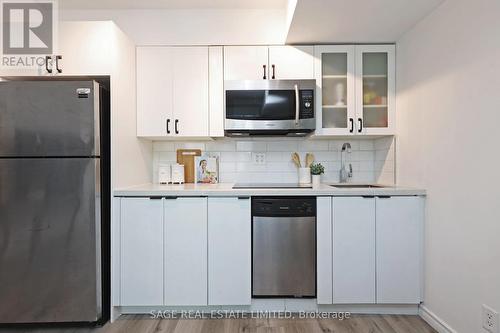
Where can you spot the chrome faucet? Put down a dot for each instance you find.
(344, 174)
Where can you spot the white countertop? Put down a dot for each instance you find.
(226, 189)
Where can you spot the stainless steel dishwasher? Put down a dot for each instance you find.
(284, 247)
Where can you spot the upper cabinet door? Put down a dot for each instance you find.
(291, 62)
(154, 91)
(189, 91)
(246, 63)
(375, 89)
(335, 91)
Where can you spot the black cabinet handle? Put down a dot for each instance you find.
(156, 198)
(176, 126)
(57, 63)
(47, 59)
(352, 125)
(264, 67)
(243, 198)
(360, 129)
(168, 126)
(274, 72)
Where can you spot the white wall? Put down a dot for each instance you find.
(101, 48)
(193, 27)
(448, 77)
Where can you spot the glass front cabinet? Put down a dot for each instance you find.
(355, 92)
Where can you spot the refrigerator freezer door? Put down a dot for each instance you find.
(49, 118)
(50, 245)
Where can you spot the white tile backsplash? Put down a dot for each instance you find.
(372, 159)
(251, 146)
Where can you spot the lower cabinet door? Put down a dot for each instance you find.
(324, 250)
(353, 250)
(399, 249)
(141, 251)
(229, 251)
(185, 251)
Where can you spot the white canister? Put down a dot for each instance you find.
(316, 180)
(305, 175)
(178, 173)
(164, 175)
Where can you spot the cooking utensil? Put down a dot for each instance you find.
(309, 159)
(296, 160)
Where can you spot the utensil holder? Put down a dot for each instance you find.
(305, 175)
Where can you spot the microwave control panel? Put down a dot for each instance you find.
(306, 104)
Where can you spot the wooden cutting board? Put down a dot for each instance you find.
(186, 157)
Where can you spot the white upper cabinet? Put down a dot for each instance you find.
(77, 45)
(291, 62)
(246, 63)
(268, 63)
(375, 89)
(355, 89)
(172, 92)
(154, 91)
(399, 237)
(335, 85)
(190, 91)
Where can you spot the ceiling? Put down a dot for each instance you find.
(312, 21)
(172, 4)
(357, 21)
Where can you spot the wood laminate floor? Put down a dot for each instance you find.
(355, 324)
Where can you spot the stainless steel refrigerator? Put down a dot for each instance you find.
(54, 206)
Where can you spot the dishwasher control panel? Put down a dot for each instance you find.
(284, 206)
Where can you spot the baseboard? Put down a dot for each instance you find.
(432, 319)
(281, 305)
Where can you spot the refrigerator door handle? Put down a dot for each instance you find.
(98, 236)
(59, 57)
(47, 59)
(97, 119)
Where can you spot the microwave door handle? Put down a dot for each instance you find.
(296, 104)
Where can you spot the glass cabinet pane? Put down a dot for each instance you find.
(375, 90)
(334, 90)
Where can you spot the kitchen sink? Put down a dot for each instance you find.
(357, 186)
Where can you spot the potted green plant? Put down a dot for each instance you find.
(317, 170)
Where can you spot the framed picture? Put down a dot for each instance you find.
(206, 169)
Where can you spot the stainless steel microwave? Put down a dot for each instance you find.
(269, 107)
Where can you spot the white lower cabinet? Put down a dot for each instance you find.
(229, 251)
(399, 237)
(324, 244)
(185, 251)
(370, 250)
(141, 247)
(353, 250)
